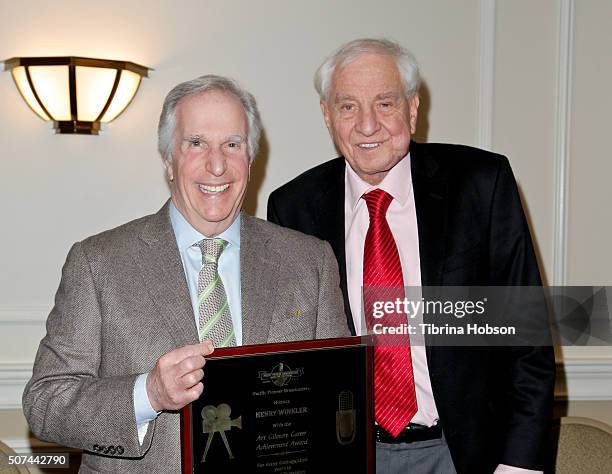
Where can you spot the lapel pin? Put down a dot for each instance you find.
(297, 312)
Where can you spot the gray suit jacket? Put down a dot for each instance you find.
(123, 302)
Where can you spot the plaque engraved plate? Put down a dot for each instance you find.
(298, 407)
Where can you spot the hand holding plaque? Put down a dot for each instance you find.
(176, 378)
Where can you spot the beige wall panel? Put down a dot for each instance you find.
(19, 343)
(524, 108)
(590, 193)
(590, 222)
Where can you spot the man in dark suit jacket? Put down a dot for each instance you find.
(128, 336)
(464, 226)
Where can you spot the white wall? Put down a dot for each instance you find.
(492, 71)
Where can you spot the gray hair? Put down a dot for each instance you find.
(167, 119)
(347, 53)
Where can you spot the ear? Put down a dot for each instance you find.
(326, 114)
(413, 104)
(169, 171)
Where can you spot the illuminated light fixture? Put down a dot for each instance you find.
(78, 94)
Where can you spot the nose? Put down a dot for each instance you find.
(216, 163)
(367, 121)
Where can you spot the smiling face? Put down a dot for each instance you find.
(209, 171)
(369, 116)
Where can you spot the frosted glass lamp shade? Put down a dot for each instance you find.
(78, 94)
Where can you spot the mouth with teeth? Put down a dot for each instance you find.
(206, 189)
(369, 146)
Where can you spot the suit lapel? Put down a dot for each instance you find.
(430, 197)
(331, 215)
(160, 264)
(259, 277)
(331, 226)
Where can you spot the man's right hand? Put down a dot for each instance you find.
(176, 379)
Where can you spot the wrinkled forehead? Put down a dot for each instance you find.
(211, 113)
(373, 73)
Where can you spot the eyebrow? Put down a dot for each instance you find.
(387, 95)
(383, 95)
(341, 97)
(235, 137)
(196, 136)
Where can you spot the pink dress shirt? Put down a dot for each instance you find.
(401, 217)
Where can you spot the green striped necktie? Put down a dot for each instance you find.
(215, 317)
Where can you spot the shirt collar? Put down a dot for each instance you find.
(186, 236)
(397, 183)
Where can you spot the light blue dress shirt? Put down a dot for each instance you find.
(191, 256)
(229, 264)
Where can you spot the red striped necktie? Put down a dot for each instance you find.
(394, 395)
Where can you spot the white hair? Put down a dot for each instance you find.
(167, 119)
(347, 53)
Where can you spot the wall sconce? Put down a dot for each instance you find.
(78, 94)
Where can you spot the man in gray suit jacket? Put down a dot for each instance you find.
(140, 307)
